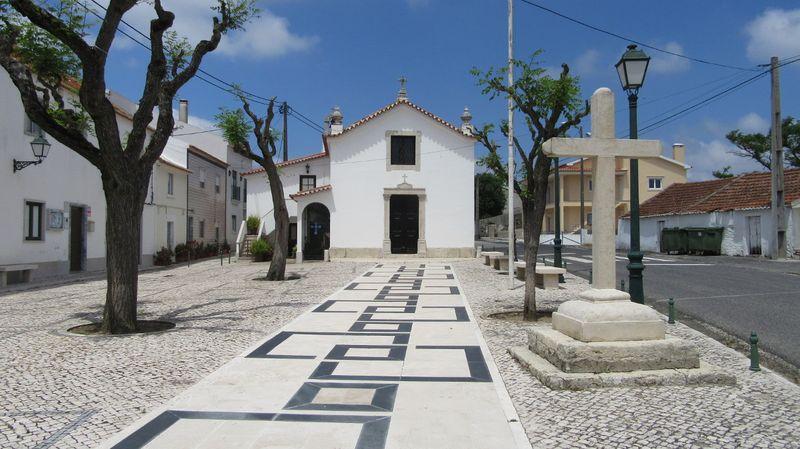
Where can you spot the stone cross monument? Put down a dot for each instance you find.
(604, 313)
(602, 339)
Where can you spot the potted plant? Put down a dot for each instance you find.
(181, 252)
(261, 250)
(253, 223)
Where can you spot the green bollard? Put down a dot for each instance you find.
(189, 259)
(671, 313)
(590, 277)
(622, 285)
(755, 359)
(544, 261)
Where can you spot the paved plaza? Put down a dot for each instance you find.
(350, 355)
(393, 360)
(61, 390)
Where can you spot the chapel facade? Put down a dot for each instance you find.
(396, 183)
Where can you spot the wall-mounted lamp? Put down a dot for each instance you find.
(308, 169)
(40, 147)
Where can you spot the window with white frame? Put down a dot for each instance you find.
(33, 220)
(216, 184)
(170, 184)
(654, 183)
(591, 186)
(31, 129)
(202, 229)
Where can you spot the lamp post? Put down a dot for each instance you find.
(632, 68)
(40, 147)
(557, 211)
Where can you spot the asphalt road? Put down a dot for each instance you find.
(735, 294)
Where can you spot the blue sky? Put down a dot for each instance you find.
(319, 53)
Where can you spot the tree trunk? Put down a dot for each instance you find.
(124, 204)
(533, 207)
(277, 267)
(532, 228)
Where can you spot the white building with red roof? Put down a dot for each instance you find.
(396, 182)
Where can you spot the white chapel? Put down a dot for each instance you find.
(396, 182)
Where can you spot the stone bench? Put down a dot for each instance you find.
(546, 277)
(520, 269)
(500, 262)
(26, 270)
(487, 256)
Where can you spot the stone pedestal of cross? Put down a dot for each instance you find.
(604, 313)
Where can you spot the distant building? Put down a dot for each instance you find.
(655, 175)
(740, 205)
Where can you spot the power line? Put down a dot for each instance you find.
(655, 125)
(226, 86)
(618, 36)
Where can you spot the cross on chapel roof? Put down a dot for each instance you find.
(402, 94)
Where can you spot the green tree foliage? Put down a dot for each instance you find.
(725, 173)
(491, 194)
(550, 106)
(757, 146)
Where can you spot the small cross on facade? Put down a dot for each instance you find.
(315, 228)
(404, 179)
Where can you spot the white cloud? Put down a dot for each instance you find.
(707, 156)
(586, 63)
(265, 36)
(665, 63)
(753, 123)
(776, 32)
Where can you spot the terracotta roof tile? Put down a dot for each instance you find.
(311, 191)
(748, 191)
(391, 106)
(298, 160)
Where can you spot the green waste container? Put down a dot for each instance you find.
(673, 240)
(704, 240)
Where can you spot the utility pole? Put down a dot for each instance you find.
(284, 109)
(776, 165)
(511, 241)
(583, 215)
(477, 207)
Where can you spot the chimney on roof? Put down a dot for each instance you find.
(183, 111)
(336, 121)
(466, 118)
(679, 152)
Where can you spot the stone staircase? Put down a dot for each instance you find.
(248, 240)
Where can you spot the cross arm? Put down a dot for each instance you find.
(630, 148)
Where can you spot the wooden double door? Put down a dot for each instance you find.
(404, 223)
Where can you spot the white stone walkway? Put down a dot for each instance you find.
(393, 360)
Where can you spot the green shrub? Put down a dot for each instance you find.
(163, 257)
(253, 223)
(181, 252)
(261, 250)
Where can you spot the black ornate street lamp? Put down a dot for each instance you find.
(40, 147)
(632, 68)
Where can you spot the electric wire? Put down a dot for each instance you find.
(618, 36)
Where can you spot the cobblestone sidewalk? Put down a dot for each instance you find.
(762, 411)
(64, 391)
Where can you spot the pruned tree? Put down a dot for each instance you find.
(550, 106)
(757, 146)
(236, 129)
(43, 47)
